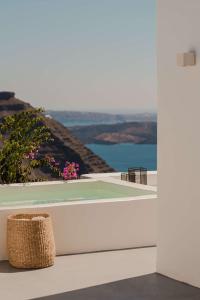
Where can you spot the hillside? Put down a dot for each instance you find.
(132, 132)
(64, 147)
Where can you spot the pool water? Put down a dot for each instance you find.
(53, 193)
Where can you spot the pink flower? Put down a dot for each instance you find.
(70, 170)
(32, 154)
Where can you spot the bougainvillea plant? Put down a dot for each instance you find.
(70, 171)
(21, 136)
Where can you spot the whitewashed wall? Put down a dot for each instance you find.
(179, 141)
(96, 225)
(152, 178)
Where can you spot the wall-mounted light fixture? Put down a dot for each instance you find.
(186, 59)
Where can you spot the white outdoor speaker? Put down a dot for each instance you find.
(186, 59)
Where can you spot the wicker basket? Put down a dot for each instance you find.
(30, 243)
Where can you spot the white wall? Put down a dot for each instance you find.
(179, 141)
(152, 178)
(96, 225)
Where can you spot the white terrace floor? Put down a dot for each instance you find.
(74, 272)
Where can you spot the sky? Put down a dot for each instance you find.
(90, 55)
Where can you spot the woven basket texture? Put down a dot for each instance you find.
(30, 243)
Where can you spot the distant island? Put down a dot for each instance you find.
(133, 132)
(87, 118)
(102, 128)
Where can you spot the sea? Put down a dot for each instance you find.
(123, 156)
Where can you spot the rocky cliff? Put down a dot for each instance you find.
(64, 147)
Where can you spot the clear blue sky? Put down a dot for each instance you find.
(80, 54)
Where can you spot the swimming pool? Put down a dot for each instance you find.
(88, 214)
(36, 194)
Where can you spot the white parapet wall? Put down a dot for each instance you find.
(151, 176)
(85, 226)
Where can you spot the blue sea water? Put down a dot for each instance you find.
(72, 123)
(123, 156)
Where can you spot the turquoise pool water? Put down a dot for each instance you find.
(53, 193)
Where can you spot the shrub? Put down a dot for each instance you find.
(21, 136)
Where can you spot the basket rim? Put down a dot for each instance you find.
(22, 217)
